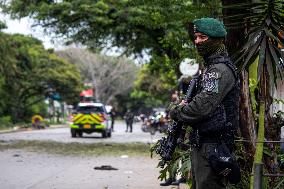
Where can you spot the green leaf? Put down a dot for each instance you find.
(275, 59)
(267, 151)
(261, 57)
(243, 52)
(252, 51)
(244, 5)
(270, 67)
(268, 33)
(274, 26)
(280, 53)
(280, 184)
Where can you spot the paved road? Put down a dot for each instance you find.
(62, 134)
(29, 170)
(26, 170)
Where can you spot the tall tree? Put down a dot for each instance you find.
(156, 27)
(32, 74)
(237, 27)
(153, 90)
(110, 76)
(261, 31)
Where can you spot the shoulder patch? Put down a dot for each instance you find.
(210, 82)
(211, 75)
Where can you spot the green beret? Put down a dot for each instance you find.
(210, 26)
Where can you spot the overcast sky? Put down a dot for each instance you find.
(23, 26)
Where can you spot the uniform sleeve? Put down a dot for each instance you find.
(217, 81)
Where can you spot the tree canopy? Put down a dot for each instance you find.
(109, 76)
(155, 27)
(264, 24)
(30, 74)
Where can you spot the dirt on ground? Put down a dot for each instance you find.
(22, 169)
(30, 169)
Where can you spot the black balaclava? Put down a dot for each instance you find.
(212, 46)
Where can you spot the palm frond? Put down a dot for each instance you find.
(265, 23)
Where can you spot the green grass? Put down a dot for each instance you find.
(79, 149)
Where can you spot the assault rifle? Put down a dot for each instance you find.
(167, 145)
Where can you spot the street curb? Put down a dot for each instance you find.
(19, 129)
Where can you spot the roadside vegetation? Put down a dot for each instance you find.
(29, 75)
(79, 149)
(159, 29)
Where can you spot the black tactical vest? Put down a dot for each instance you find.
(224, 120)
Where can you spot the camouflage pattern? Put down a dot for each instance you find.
(216, 82)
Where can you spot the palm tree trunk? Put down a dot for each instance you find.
(247, 122)
(260, 138)
(235, 39)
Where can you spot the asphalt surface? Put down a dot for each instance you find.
(22, 169)
(61, 133)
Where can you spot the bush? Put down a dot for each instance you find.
(5, 122)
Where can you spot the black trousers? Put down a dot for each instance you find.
(129, 125)
(112, 123)
(203, 177)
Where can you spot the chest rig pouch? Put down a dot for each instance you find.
(215, 123)
(224, 119)
(210, 129)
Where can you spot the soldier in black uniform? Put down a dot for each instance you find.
(112, 115)
(129, 116)
(213, 112)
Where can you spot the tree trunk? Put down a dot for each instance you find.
(247, 122)
(234, 40)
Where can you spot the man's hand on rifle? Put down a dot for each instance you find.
(174, 109)
(183, 103)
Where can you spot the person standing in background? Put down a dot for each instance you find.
(129, 116)
(112, 115)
